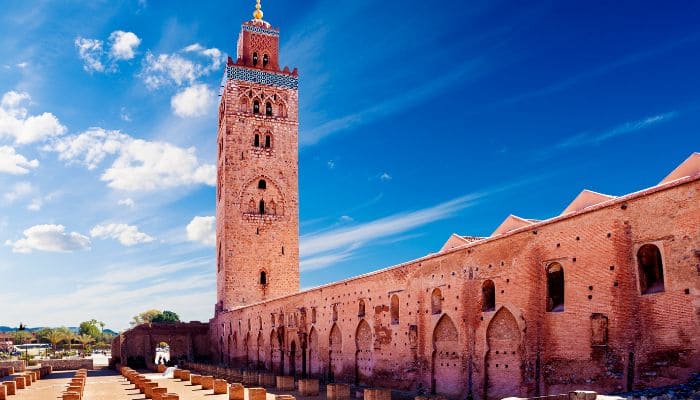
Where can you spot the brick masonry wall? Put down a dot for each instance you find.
(608, 336)
(68, 365)
(17, 365)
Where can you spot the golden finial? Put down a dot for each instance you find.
(258, 14)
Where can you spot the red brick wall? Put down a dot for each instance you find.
(546, 352)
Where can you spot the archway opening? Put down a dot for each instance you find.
(162, 355)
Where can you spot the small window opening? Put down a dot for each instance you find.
(268, 109)
(256, 140)
(268, 141)
(256, 107)
(266, 60)
(313, 315)
(488, 296)
(262, 207)
(361, 309)
(555, 288)
(262, 184)
(651, 272)
(436, 301)
(394, 310)
(335, 312)
(263, 278)
(255, 59)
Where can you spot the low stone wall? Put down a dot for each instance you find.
(69, 365)
(19, 365)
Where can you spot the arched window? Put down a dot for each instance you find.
(361, 309)
(650, 269)
(266, 60)
(488, 296)
(313, 315)
(268, 109)
(555, 288)
(256, 140)
(335, 312)
(282, 110)
(256, 107)
(262, 184)
(268, 141)
(263, 279)
(436, 301)
(394, 310)
(261, 208)
(255, 59)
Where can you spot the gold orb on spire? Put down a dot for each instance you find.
(258, 14)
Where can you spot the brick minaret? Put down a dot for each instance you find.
(257, 209)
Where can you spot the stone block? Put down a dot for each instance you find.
(377, 394)
(267, 380)
(207, 382)
(308, 387)
(3, 392)
(70, 396)
(21, 382)
(257, 394)
(11, 387)
(284, 397)
(196, 379)
(220, 386)
(157, 393)
(27, 379)
(285, 383)
(185, 375)
(582, 395)
(337, 391)
(148, 387)
(170, 396)
(176, 373)
(161, 368)
(236, 392)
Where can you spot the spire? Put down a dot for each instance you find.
(258, 14)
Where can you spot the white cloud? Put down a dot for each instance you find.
(128, 202)
(50, 238)
(202, 230)
(13, 163)
(124, 115)
(128, 235)
(124, 45)
(19, 191)
(35, 204)
(140, 165)
(385, 177)
(91, 52)
(180, 68)
(23, 65)
(16, 123)
(194, 101)
(331, 164)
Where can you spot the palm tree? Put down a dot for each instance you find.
(85, 340)
(55, 336)
(70, 337)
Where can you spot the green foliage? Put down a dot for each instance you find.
(21, 337)
(91, 328)
(145, 317)
(166, 317)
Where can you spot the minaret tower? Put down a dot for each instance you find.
(257, 199)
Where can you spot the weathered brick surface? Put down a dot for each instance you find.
(68, 365)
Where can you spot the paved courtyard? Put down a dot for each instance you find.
(109, 385)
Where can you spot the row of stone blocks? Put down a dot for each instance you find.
(20, 381)
(76, 386)
(147, 387)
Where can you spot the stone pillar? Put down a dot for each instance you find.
(196, 379)
(3, 392)
(157, 393)
(11, 387)
(207, 382)
(377, 394)
(21, 382)
(285, 383)
(220, 386)
(185, 375)
(236, 392)
(337, 391)
(257, 394)
(308, 387)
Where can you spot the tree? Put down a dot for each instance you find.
(90, 328)
(166, 317)
(145, 317)
(85, 340)
(54, 337)
(21, 337)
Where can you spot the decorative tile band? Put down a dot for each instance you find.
(257, 29)
(261, 77)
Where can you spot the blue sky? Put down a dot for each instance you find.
(417, 120)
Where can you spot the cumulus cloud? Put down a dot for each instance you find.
(202, 230)
(128, 235)
(139, 165)
(124, 45)
(50, 238)
(91, 52)
(180, 68)
(13, 163)
(194, 101)
(17, 124)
